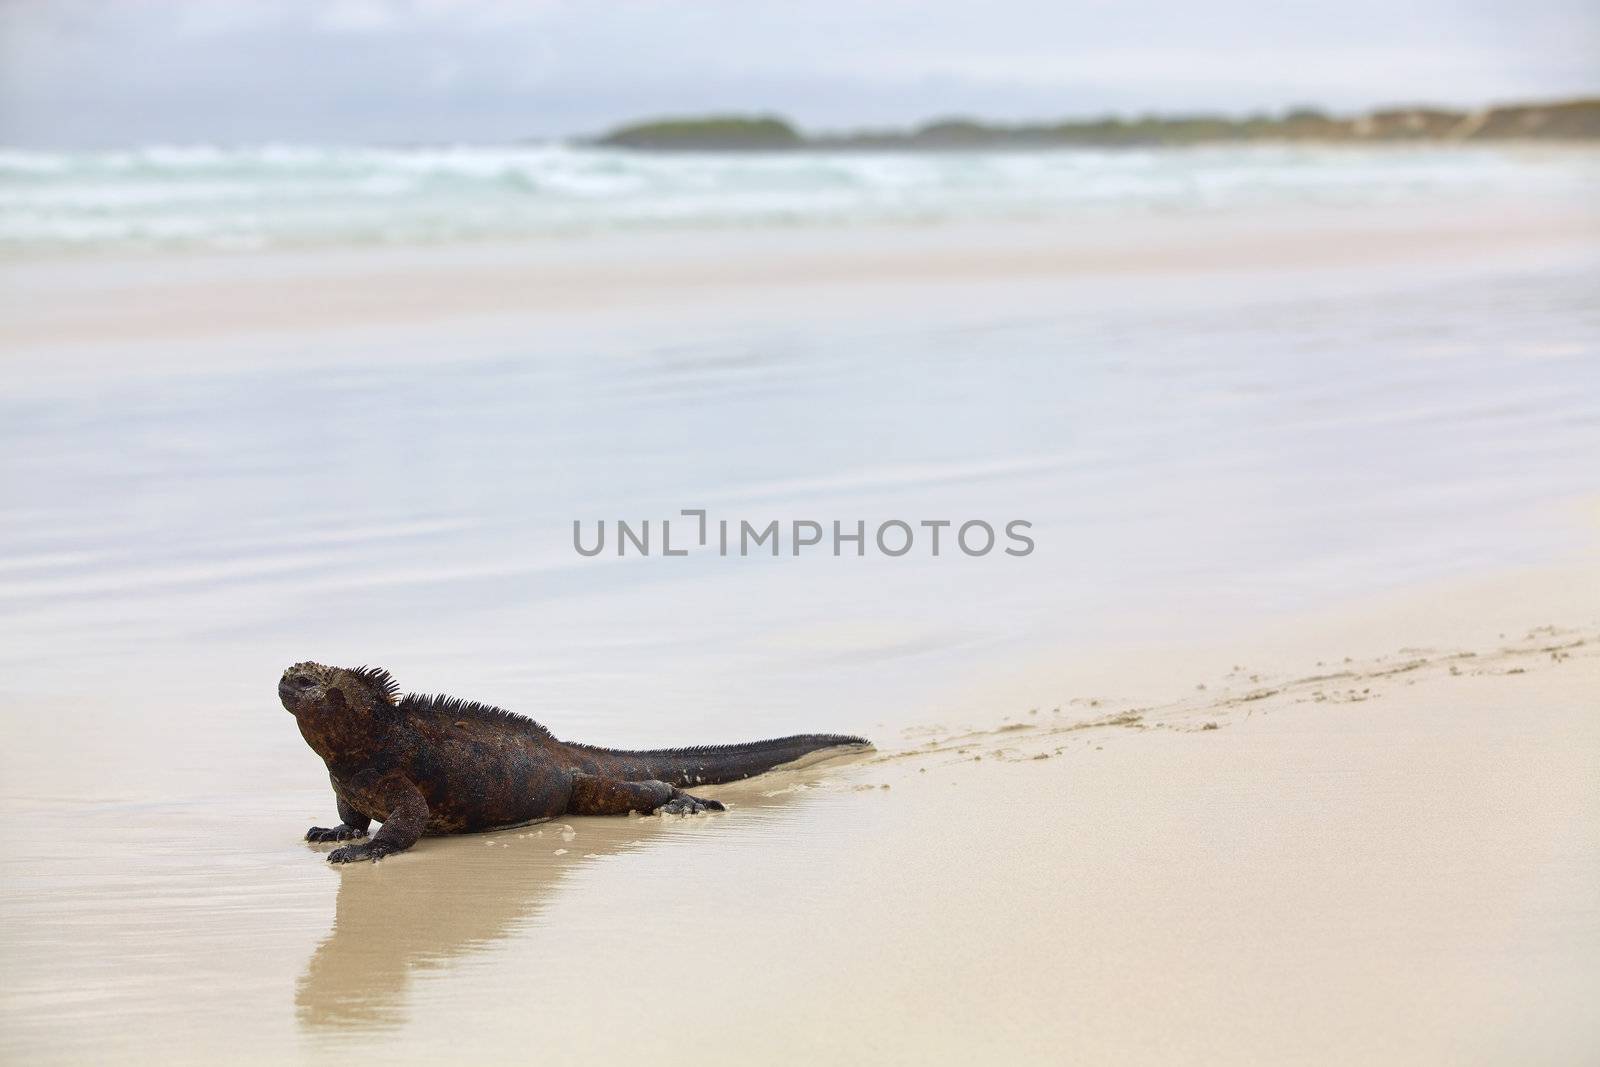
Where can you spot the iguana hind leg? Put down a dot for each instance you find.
(594, 795)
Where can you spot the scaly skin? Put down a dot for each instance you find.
(437, 765)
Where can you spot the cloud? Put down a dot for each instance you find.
(75, 72)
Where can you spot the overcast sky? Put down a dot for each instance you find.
(78, 73)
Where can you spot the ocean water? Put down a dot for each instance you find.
(289, 196)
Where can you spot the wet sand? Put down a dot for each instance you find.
(1206, 828)
(59, 314)
(1260, 850)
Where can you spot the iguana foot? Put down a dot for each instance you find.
(334, 833)
(684, 804)
(367, 850)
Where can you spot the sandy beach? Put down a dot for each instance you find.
(1065, 540)
(1286, 750)
(1351, 846)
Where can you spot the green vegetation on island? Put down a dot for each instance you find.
(709, 132)
(1574, 120)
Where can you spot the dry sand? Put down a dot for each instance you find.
(1390, 858)
(1387, 849)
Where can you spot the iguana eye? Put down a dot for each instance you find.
(304, 682)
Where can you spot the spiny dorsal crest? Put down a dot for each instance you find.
(455, 708)
(381, 681)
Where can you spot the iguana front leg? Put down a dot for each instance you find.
(408, 815)
(594, 795)
(351, 824)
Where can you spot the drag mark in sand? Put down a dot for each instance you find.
(1207, 711)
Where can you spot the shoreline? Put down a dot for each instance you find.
(57, 313)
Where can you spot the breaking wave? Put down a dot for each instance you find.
(296, 195)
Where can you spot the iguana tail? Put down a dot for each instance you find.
(710, 764)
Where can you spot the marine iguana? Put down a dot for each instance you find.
(441, 765)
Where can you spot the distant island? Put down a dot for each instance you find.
(1572, 120)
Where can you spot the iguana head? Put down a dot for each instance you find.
(310, 688)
